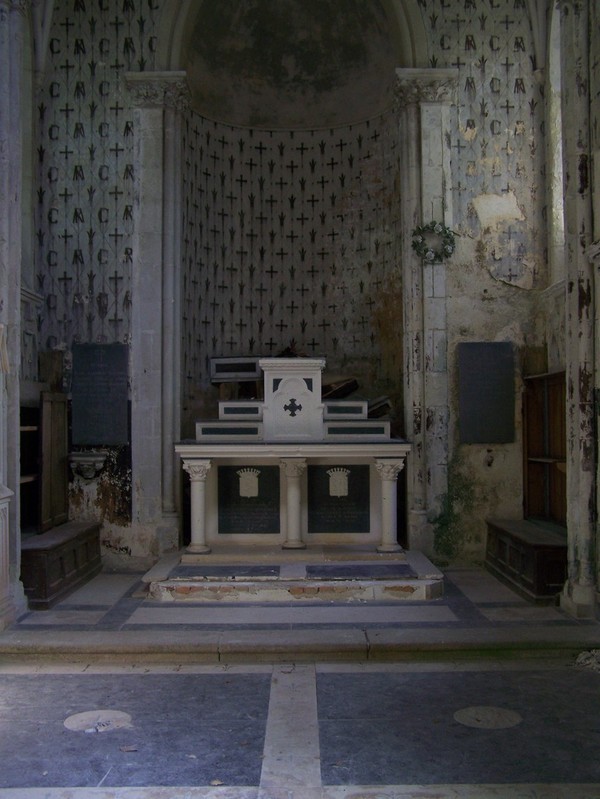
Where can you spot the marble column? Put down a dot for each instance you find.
(198, 471)
(293, 469)
(388, 470)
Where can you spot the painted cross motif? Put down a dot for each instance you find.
(292, 407)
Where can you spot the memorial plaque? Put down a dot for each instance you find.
(248, 499)
(99, 391)
(338, 499)
(486, 392)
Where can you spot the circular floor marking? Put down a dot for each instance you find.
(98, 721)
(488, 718)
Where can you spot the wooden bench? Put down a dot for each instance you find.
(530, 556)
(58, 561)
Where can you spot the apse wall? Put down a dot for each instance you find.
(85, 196)
(291, 236)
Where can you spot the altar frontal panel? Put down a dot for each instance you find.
(339, 499)
(248, 500)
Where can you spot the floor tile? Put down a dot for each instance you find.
(185, 730)
(104, 589)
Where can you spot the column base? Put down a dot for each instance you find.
(294, 545)
(389, 548)
(198, 549)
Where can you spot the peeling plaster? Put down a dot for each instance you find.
(496, 209)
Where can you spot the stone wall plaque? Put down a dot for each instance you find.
(248, 499)
(99, 391)
(338, 499)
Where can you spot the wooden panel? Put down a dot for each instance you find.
(545, 448)
(53, 458)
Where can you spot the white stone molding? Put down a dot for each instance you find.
(388, 470)
(158, 89)
(415, 86)
(293, 469)
(198, 471)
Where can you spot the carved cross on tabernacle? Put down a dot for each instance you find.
(292, 407)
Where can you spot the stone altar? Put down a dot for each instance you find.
(293, 429)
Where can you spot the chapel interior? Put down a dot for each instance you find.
(402, 196)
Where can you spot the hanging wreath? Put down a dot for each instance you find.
(433, 241)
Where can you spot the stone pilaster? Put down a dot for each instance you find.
(579, 591)
(157, 99)
(423, 98)
(13, 14)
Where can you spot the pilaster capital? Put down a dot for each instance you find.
(593, 253)
(388, 468)
(293, 467)
(564, 6)
(414, 86)
(18, 6)
(197, 470)
(158, 89)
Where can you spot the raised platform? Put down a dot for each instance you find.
(317, 574)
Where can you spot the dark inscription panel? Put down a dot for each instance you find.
(99, 394)
(345, 513)
(486, 392)
(248, 499)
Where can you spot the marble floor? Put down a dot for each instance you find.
(300, 731)
(97, 716)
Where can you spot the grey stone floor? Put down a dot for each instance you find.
(477, 694)
(299, 731)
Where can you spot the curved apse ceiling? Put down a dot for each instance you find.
(291, 64)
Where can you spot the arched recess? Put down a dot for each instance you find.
(178, 17)
(423, 101)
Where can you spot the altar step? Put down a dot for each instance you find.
(299, 577)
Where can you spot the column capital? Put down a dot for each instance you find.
(197, 470)
(389, 468)
(414, 86)
(293, 467)
(158, 89)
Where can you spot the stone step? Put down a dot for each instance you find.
(413, 578)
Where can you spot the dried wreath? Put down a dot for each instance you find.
(433, 241)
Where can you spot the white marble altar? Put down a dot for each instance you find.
(294, 429)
